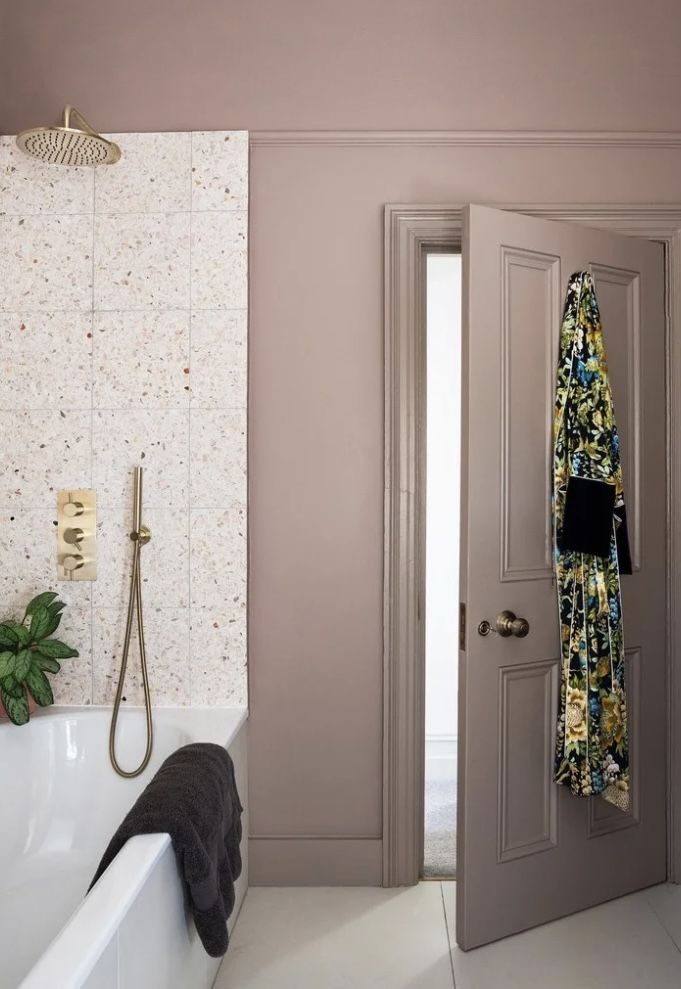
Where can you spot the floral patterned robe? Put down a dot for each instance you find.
(591, 549)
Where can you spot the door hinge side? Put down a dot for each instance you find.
(462, 626)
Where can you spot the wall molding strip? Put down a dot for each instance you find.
(465, 139)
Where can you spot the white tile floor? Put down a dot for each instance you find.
(342, 938)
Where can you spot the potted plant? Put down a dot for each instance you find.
(27, 653)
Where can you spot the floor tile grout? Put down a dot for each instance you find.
(661, 923)
(449, 943)
(518, 962)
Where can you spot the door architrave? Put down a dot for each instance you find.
(411, 232)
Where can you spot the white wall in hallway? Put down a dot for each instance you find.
(442, 500)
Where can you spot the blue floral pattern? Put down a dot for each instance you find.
(592, 754)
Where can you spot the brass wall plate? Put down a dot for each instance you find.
(76, 535)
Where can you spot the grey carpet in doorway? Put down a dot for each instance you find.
(439, 858)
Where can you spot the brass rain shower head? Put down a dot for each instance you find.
(72, 142)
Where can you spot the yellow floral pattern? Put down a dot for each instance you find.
(592, 754)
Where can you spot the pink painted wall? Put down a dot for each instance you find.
(316, 376)
(319, 64)
(317, 444)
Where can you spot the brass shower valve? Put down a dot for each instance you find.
(76, 535)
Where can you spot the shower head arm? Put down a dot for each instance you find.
(71, 114)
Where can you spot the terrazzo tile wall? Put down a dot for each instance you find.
(123, 340)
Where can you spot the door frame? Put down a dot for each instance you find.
(412, 232)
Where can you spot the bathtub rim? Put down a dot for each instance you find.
(206, 721)
(75, 950)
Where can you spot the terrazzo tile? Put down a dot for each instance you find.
(142, 261)
(43, 452)
(134, 369)
(73, 683)
(219, 359)
(164, 560)
(45, 360)
(219, 260)
(45, 263)
(152, 175)
(158, 440)
(31, 186)
(218, 458)
(219, 561)
(218, 659)
(166, 637)
(141, 359)
(220, 170)
(28, 549)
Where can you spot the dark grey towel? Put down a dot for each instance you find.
(193, 798)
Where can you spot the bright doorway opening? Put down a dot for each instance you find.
(443, 483)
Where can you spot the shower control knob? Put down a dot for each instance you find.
(74, 536)
(71, 563)
(73, 508)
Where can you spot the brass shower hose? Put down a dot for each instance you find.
(140, 536)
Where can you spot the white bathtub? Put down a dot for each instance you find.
(60, 804)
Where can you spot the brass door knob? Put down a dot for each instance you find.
(508, 624)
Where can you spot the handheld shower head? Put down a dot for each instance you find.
(72, 142)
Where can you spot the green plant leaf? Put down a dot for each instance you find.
(40, 601)
(55, 616)
(39, 686)
(16, 707)
(22, 664)
(12, 686)
(21, 632)
(40, 623)
(7, 663)
(8, 637)
(44, 663)
(54, 649)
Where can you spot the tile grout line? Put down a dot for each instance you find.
(189, 426)
(113, 213)
(449, 943)
(661, 923)
(247, 462)
(92, 423)
(51, 310)
(127, 409)
(231, 509)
